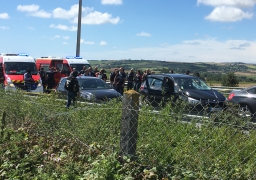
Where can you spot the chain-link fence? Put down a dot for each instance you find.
(171, 137)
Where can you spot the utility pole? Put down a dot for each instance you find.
(79, 28)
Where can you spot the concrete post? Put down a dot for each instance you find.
(129, 123)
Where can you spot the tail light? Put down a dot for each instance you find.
(142, 87)
(231, 96)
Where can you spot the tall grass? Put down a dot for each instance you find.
(36, 131)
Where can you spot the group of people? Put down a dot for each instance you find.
(50, 78)
(94, 73)
(134, 79)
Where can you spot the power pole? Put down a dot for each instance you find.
(79, 28)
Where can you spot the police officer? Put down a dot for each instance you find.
(28, 80)
(43, 77)
(50, 78)
(130, 79)
(2, 78)
(72, 87)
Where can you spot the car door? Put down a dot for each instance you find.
(154, 86)
(60, 87)
(168, 89)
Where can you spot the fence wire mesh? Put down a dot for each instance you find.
(181, 140)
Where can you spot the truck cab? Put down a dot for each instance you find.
(14, 66)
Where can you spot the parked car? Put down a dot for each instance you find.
(91, 88)
(246, 99)
(199, 96)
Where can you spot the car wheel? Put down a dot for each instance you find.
(246, 111)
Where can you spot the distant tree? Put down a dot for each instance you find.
(229, 80)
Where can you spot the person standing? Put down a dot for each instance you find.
(130, 79)
(72, 86)
(123, 76)
(118, 82)
(50, 78)
(2, 78)
(147, 72)
(112, 78)
(90, 72)
(43, 77)
(102, 75)
(138, 79)
(82, 72)
(28, 80)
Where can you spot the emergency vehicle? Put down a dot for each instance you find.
(77, 62)
(61, 66)
(14, 67)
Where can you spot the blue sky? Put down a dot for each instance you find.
(170, 30)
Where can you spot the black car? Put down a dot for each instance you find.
(246, 99)
(159, 87)
(91, 88)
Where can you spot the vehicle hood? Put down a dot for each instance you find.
(101, 93)
(204, 94)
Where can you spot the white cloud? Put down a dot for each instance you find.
(143, 34)
(33, 10)
(234, 3)
(28, 8)
(90, 16)
(30, 28)
(69, 14)
(98, 18)
(86, 42)
(66, 37)
(65, 43)
(4, 16)
(56, 36)
(63, 27)
(115, 2)
(207, 50)
(103, 43)
(4, 27)
(228, 14)
(41, 14)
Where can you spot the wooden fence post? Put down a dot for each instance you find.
(129, 123)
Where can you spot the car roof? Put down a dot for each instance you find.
(82, 77)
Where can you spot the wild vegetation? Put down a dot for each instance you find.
(41, 139)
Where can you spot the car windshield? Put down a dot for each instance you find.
(92, 84)
(192, 83)
(20, 67)
(79, 67)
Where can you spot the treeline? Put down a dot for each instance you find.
(213, 76)
(208, 71)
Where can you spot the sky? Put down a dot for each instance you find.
(167, 30)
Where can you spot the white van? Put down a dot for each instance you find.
(77, 62)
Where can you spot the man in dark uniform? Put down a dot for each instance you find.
(43, 77)
(123, 76)
(130, 79)
(72, 87)
(50, 78)
(2, 78)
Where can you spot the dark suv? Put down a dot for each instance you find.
(160, 87)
